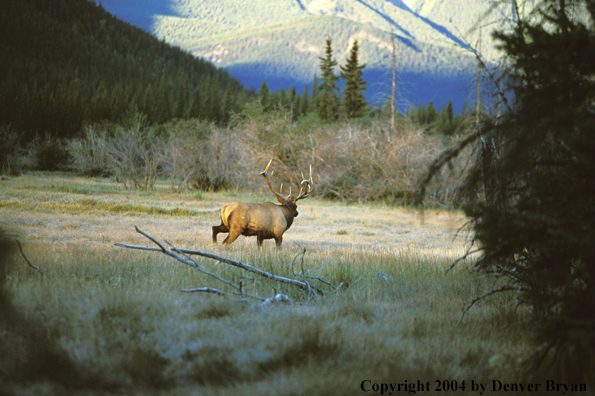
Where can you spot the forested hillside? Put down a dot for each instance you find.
(67, 62)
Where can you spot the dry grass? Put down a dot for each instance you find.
(118, 317)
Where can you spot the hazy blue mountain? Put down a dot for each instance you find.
(280, 41)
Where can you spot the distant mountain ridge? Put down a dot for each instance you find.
(280, 41)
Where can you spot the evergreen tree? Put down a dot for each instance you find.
(421, 114)
(162, 109)
(227, 107)
(304, 103)
(241, 98)
(412, 112)
(450, 113)
(327, 99)
(183, 102)
(283, 100)
(431, 113)
(464, 111)
(148, 102)
(100, 103)
(264, 96)
(119, 102)
(214, 101)
(137, 101)
(314, 97)
(294, 102)
(354, 102)
(196, 108)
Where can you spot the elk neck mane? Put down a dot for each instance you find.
(287, 212)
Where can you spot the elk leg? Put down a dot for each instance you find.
(234, 233)
(279, 241)
(259, 239)
(217, 230)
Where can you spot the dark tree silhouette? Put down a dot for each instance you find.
(354, 102)
(535, 224)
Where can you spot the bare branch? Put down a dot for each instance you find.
(303, 274)
(177, 257)
(491, 292)
(439, 162)
(321, 267)
(207, 290)
(463, 257)
(25, 257)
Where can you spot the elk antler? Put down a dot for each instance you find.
(309, 182)
(280, 197)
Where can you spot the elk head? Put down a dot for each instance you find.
(266, 220)
(290, 201)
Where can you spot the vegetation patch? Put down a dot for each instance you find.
(90, 204)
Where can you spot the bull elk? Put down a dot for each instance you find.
(266, 220)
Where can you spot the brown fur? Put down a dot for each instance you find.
(266, 220)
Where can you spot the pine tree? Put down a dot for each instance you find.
(283, 100)
(137, 101)
(227, 106)
(162, 111)
(431, 113)
(450, 113)
(196, 108)
(100, 103)
(148, 102)
(421, 114)
(314, 97)
(303, 109)
(294, 100)
(264, 96)
(327, 100)
(183, 102)
(354, 102)
(412, 112)
(119, 102)
(214, 100)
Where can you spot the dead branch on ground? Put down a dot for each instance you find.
(183, 256)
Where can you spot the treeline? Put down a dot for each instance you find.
(68, 62)
(442, 121)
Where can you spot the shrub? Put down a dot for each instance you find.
(10, 152)
(135, 156)
(89, 155)
(51, 154)
(202, 156)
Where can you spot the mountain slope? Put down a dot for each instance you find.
(280, 40)
(67, 62)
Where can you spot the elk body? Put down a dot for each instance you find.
(266, 220)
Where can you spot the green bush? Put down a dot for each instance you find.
(51, 155)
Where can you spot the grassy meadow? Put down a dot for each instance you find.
(100, 319)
